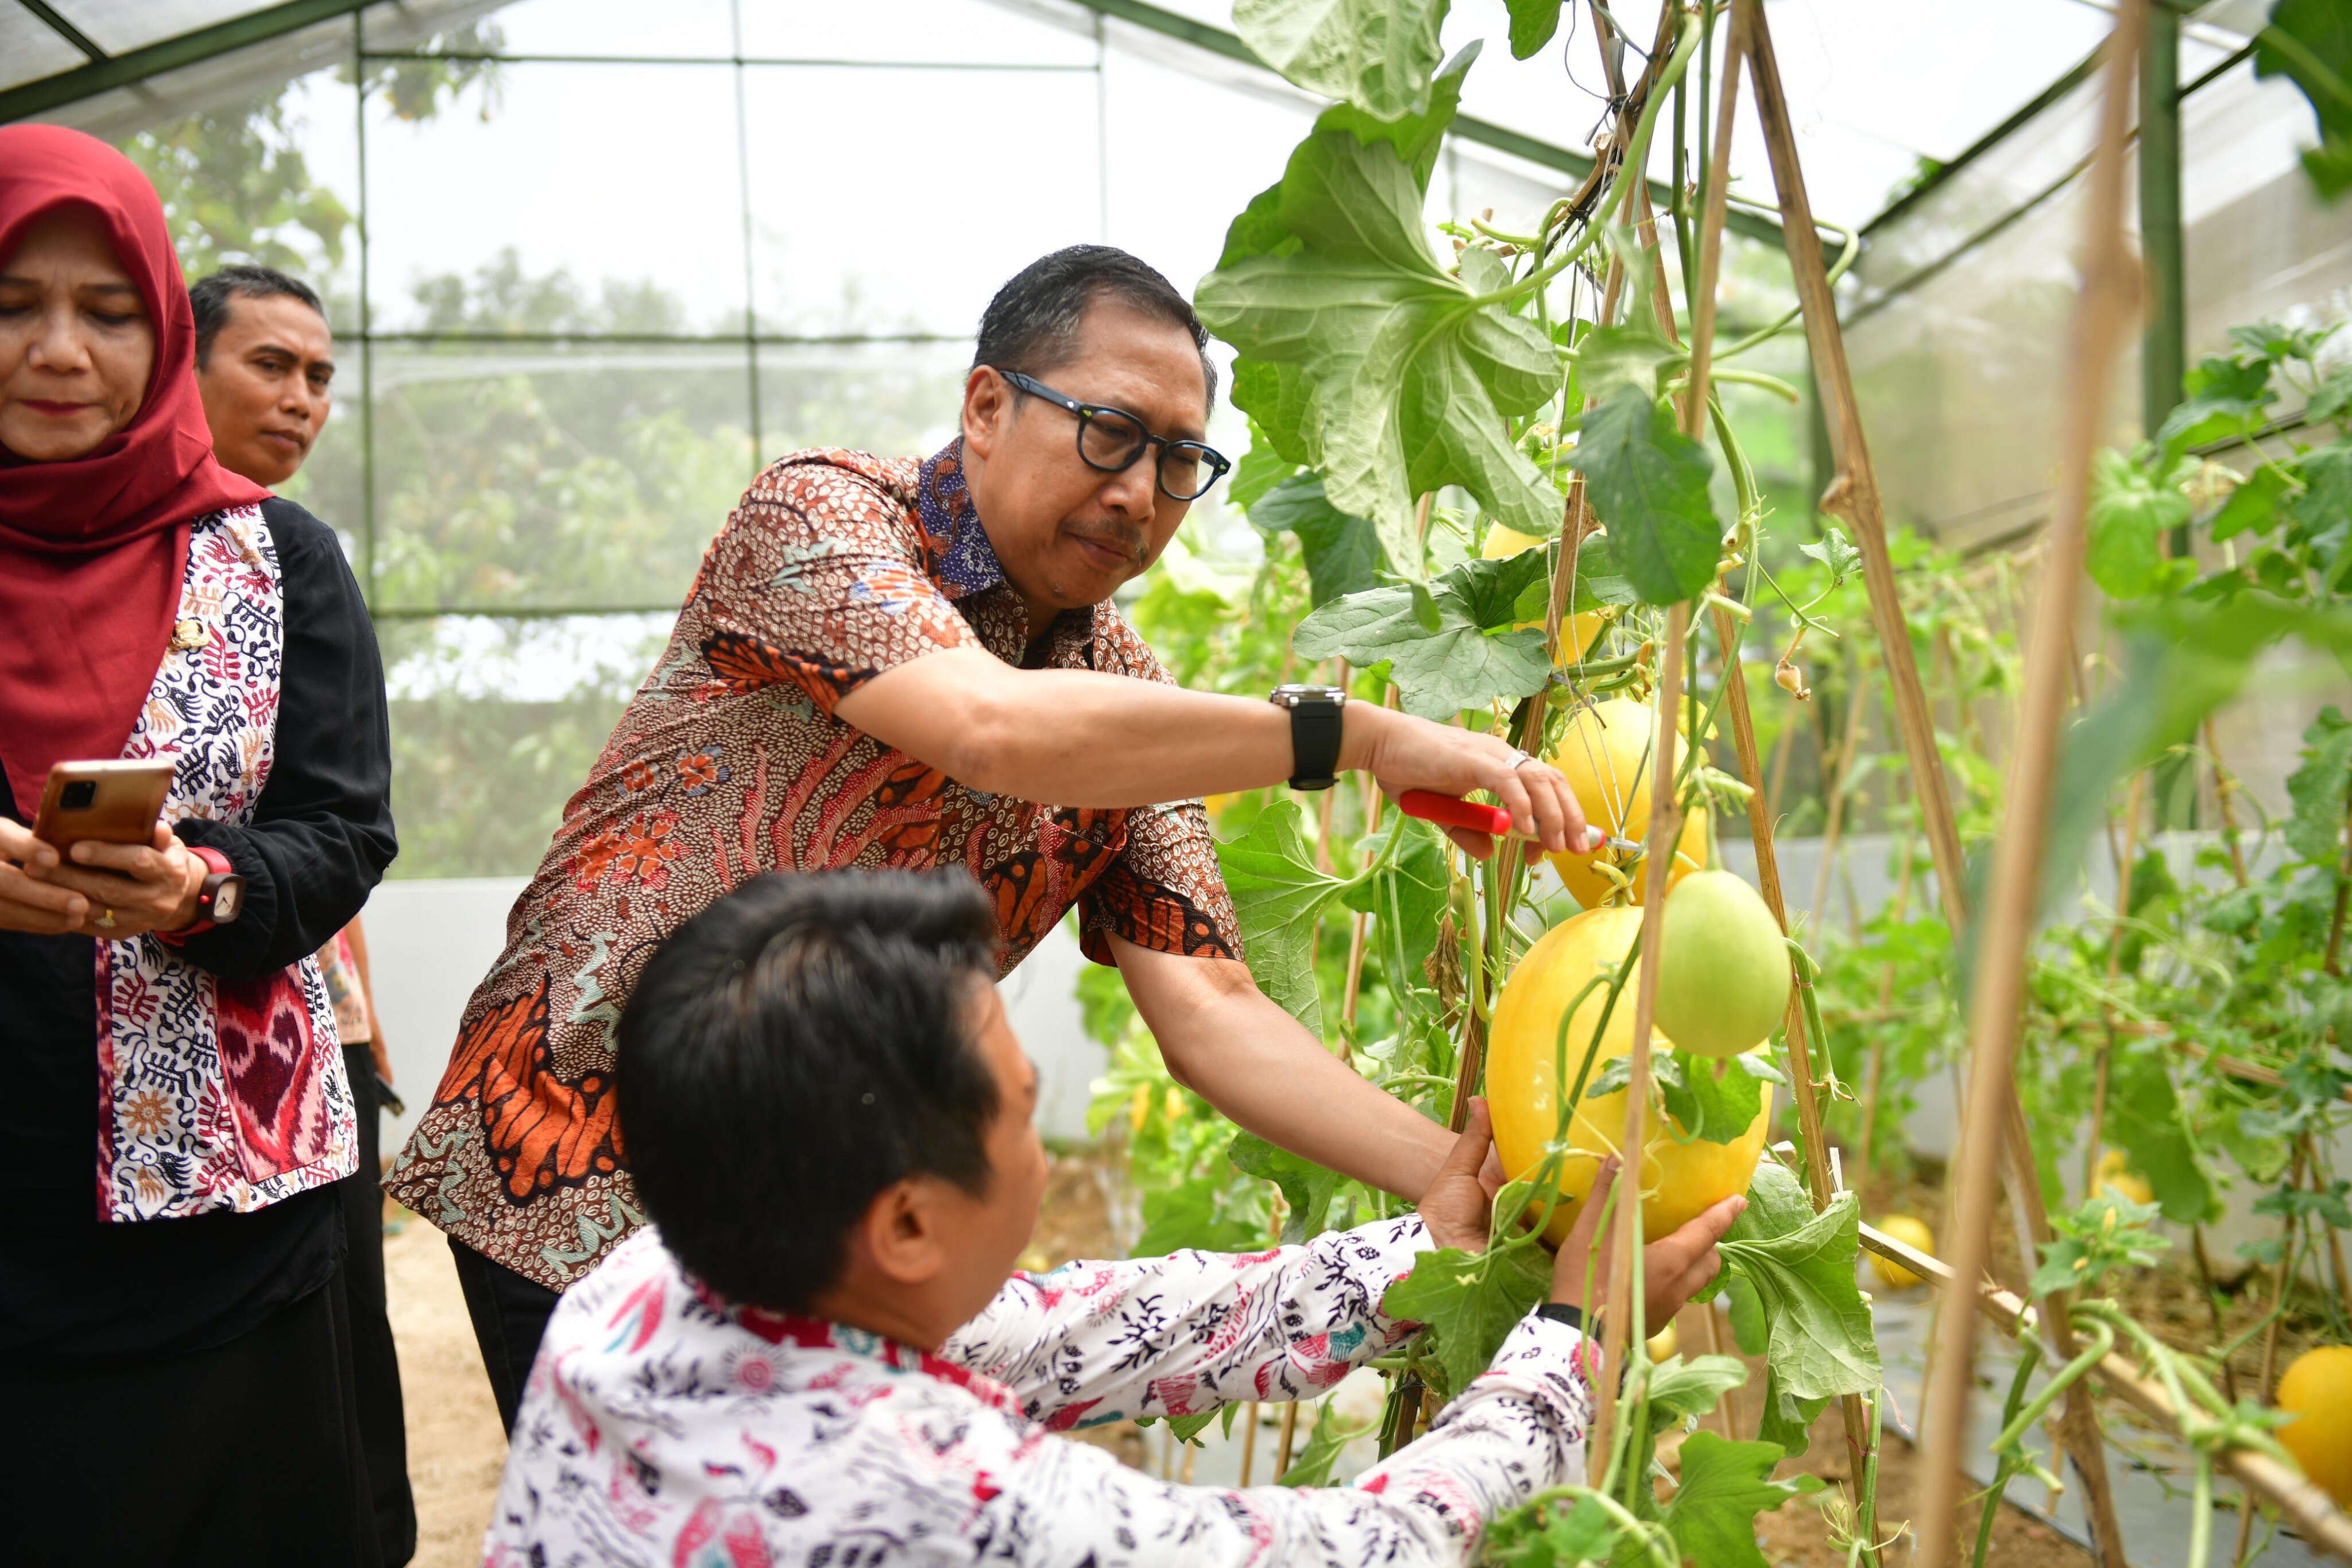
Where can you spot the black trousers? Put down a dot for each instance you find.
(376, 1364)
(510, 1315)
(246, 1456)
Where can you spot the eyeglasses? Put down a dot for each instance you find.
(1111, 439)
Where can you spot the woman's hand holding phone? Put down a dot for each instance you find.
(102, 890)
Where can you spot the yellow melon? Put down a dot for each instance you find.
(1605, 753)
(2317, 1391)
(1527, 1077)
(1914, 1234)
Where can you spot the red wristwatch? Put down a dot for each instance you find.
(219, 901)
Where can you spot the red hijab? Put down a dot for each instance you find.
(92, 549)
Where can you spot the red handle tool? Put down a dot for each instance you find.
(1447, 811)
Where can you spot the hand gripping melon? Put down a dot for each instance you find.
(1723, 984)
(1605, 754)
(2317, 1391)
(1502, 544)
(1525, 1077)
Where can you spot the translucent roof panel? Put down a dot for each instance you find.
(118, 27)
(30, 48)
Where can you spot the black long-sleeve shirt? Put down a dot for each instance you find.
(71, 1284)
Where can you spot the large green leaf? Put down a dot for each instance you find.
(1817, 1327)
(1470, 1301)
(2311, 42)
(1648, 482)
(1305, 1186)
(2130, 513)
(1388, 374)
(1533, 23)
(1470, 657)
(1191, 1216)
(1261, 468)
(1343, 553)
(1417, 137)
(2226, 396)
(1723, 1485)
(1376, 54)
(1408, 897)
(2317, 789)
(1277, 893)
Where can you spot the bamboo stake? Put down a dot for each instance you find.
(1289, 1431)
(2110, 296)
(2316, 1518)
(2262, 1389)
(1854, 494)
(1249, 1440)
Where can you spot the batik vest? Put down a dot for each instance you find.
(217, 1094)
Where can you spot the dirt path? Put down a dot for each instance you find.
(456, 1446)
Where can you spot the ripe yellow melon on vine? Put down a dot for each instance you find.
(1605, 753)
(1502, 544)
(1723, 981)
(1527, 1077)
(2317, 1391)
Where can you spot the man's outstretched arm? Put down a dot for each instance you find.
(1222, 1037)
(1079, 737)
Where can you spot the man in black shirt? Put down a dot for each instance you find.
(266, 366)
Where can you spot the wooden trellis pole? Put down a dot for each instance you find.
(1854, 496)
(2110, 292)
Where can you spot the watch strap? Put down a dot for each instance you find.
(217, 870)
(1561, 1312)
(1316, 726)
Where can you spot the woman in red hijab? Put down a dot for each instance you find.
(175, 1376)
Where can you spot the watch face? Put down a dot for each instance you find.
(228, 900)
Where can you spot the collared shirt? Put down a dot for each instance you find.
(662, 1425)
(728, 762)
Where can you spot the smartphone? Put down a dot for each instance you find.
(111, 802)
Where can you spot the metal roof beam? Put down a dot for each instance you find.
(106, 72)
(47, 16)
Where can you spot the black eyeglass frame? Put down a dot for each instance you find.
(1087, 413)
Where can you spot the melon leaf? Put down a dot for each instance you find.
(1707, 1097)
(1471, 1301)
(1467, 659)
(1305, 1186)
(1724, 1485)
(1801, 1266)
(1680, 1388)
(1277, 893)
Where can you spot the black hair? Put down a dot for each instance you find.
(1032, 325)
(242, 280)
(793, 1050)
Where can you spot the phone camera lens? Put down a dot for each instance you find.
(79, 795)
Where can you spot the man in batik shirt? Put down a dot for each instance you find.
(814, 1356)
(891, 663)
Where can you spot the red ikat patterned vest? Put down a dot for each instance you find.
(217, 1094)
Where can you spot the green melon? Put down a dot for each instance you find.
(1723, 986)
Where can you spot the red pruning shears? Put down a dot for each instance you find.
(1447, 811)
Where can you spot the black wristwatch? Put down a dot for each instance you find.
(1315, 729)
(1561, 1312)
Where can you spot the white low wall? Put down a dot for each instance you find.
(431, 941)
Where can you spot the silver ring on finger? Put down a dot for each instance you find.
(1519, 759)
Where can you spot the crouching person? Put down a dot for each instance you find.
(814, 1353)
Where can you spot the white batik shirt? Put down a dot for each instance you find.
(663, 1426)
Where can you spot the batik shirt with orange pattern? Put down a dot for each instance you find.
(728, 762)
